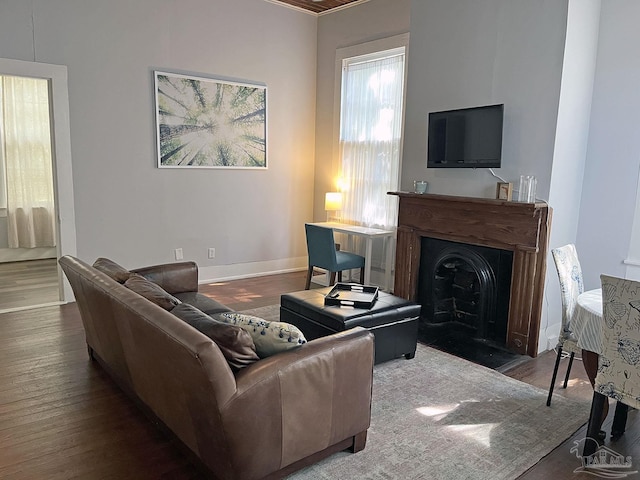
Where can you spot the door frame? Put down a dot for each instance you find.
(61, 153)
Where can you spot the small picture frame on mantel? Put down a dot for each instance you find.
(504, 191)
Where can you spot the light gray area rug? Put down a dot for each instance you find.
(441, 417)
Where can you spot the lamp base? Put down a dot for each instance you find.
(333, 218)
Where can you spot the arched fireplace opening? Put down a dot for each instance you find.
(464, 291)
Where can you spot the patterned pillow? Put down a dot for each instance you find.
(151, 291)
(112, 269)
(269, 337)
(234, 342)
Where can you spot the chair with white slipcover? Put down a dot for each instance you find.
(571, 285)
(619, 361)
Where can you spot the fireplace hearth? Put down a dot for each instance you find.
(504, 314)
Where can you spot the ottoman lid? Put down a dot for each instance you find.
(387, 309)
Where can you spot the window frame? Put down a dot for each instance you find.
(361, 50)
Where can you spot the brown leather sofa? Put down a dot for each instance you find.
(269, 419)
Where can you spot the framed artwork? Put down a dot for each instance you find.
(504, 190)
(208, 123)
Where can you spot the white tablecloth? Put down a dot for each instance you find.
(586, 323)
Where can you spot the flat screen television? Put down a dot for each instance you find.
(466, 138)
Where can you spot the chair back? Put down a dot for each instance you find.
(619, 363)
(321, 247)
(571, 284)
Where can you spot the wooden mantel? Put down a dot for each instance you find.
(519, 227)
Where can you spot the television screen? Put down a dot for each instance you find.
(466, 138)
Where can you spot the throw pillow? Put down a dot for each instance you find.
(235, 343)
(151, 291)
(269, 337)
(112, 269)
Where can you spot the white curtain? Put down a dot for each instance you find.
(370, 135)
(26, 152)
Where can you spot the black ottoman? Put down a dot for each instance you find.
(393, 320)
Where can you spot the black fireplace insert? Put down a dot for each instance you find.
(464, 291)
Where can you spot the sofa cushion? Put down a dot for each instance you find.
(269, 337)
(112, 269)
(234, 342)
(151, 291)
(202, 302)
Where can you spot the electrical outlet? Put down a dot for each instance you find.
(179, 255)
(212, 253)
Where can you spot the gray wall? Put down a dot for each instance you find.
(369, 21)
(466, 53)
(125, 207)
(570, 151)
(613, 159)
(469, 52)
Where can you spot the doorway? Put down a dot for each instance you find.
(27, 205)
(37, 261)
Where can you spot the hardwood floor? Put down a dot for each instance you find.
(27, 283)
(61, 416)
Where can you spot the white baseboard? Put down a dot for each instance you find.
(224, 273)
(220, 273)
(22, 254)
(322, 279)
(548, 338)
(377, 278)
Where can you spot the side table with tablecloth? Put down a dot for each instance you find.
(587, 320)
(586, 326)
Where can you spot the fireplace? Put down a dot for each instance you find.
(464, 291)
(453, 239)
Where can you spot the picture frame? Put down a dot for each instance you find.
(204, 122)
(504, 191)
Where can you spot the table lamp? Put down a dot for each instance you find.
(332, 202)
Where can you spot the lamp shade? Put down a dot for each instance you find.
(333, 201)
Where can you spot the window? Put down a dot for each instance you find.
(26, 159)
(370, 134)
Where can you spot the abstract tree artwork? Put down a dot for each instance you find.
(203, 122)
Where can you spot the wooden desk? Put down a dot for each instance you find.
(369, 234)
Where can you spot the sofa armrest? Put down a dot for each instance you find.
(172, 277)
(299, 402)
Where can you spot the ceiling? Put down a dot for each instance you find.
(318, 6)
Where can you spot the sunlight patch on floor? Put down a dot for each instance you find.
(576, 381)
(480, 432)
(437, 413)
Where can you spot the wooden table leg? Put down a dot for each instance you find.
(619, 420)
(593, 429)
(590, 362)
